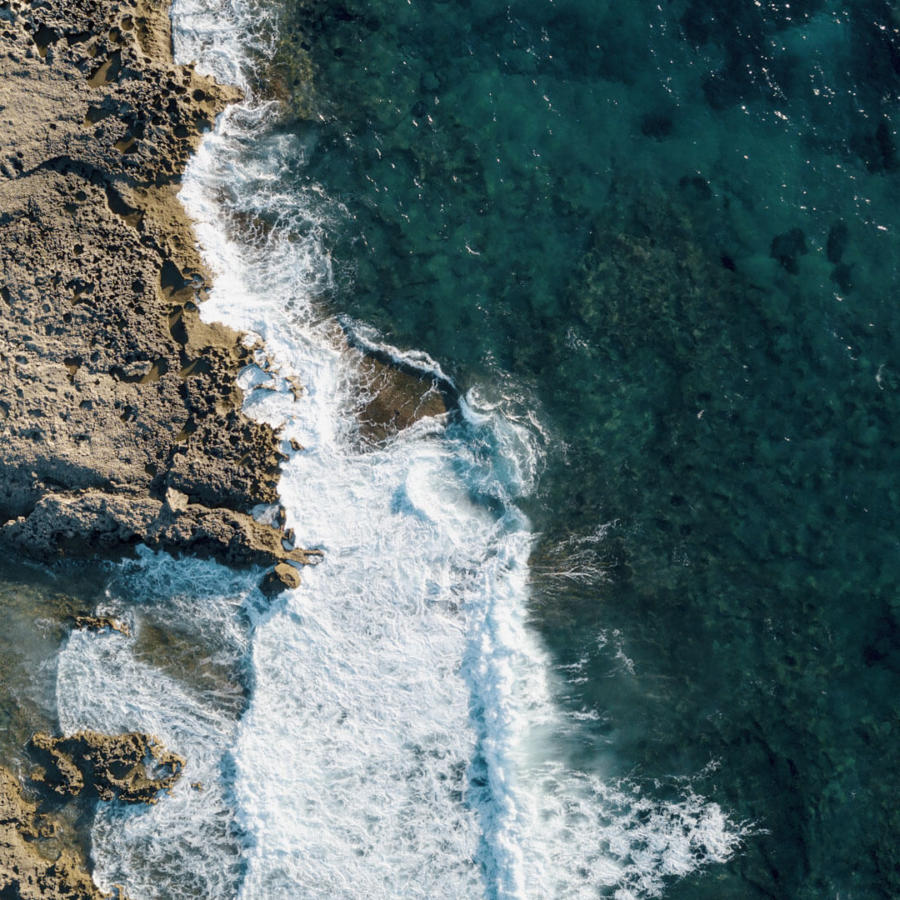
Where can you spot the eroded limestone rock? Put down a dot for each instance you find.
(25, 872)
(132, 767)
(120, 416)
(102, 623)
(112, 391)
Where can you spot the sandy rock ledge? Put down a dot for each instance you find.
(120, 417)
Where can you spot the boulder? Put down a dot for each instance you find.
(283, 577)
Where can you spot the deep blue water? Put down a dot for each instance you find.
(670, 230)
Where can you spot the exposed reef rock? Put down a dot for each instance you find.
(283, 576)
(116, 401)
(132, 767)
(101, 623)
(97, 521)
(398, 398)
(120, 416)
(24, 871)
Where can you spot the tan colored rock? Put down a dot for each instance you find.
(26, 872)
(133, 767)
(176, 502)
(102, 623)
(295, 386)
(107, 766)
(283, 577)
(95, 522)
(120, 417)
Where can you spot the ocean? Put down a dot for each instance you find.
(626, 623)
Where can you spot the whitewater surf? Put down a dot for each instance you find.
(390, 728)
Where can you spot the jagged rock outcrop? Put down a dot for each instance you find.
(98, 521)
(101, 623)
(132, 767)
(25, 872)
(120, 416)
(113, 393)
(282, 577)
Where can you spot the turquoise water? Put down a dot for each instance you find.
(669, 231)
(656, 244)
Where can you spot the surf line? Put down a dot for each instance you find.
(403, 736)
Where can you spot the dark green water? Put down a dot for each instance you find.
(671, 230)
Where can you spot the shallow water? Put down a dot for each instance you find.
(39, 605)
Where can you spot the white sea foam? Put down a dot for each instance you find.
(401, 737)
(186, 845)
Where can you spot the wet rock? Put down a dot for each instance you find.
(98, 523)
(102, 623)
(398, 399)
(132, 767)
(283, 577)
(25, 872)
(120, 417)
(295, 386)
(787, 247)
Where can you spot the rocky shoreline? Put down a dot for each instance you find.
(34, 863)
(120, 416)
(121, 420)
(26, 872)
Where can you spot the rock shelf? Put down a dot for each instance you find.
(120, 416)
